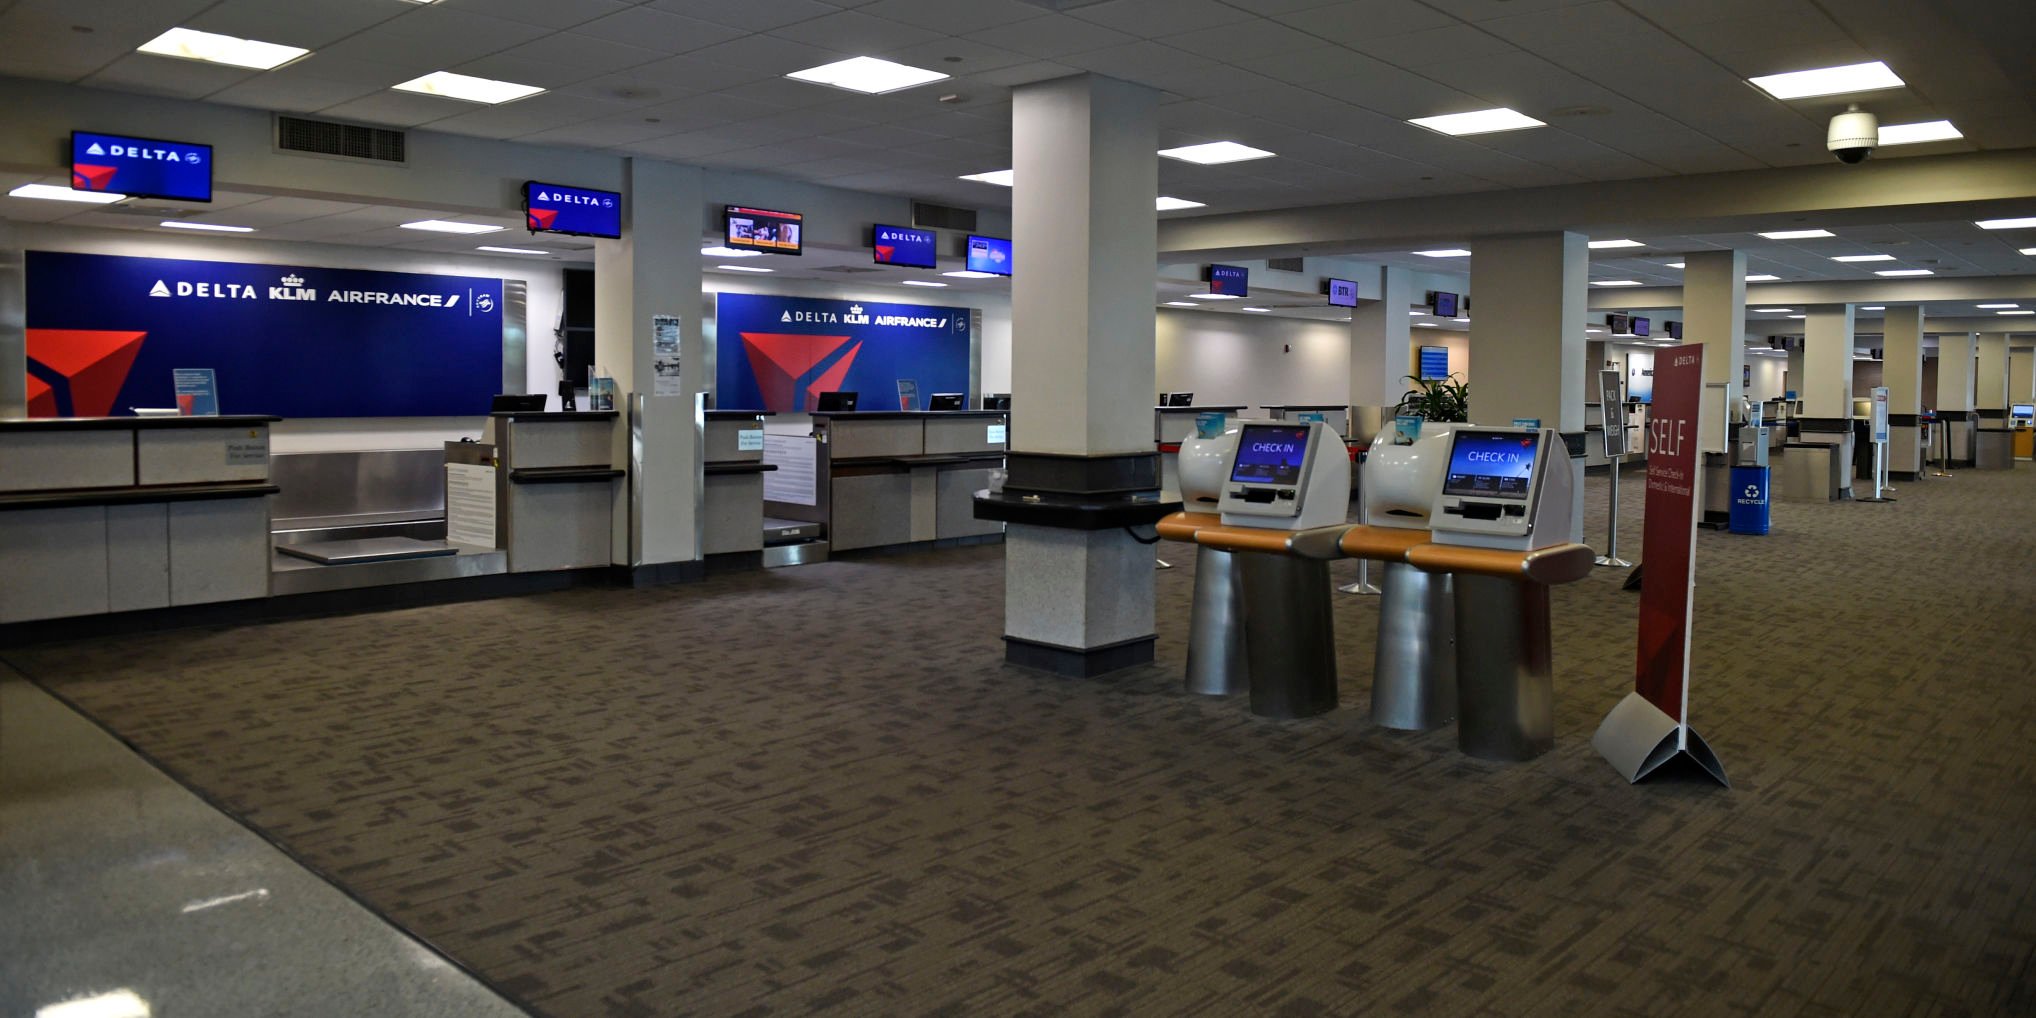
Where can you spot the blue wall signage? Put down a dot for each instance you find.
(106, 333)
(141, 167)
(1233, 280)
(989, 254)
(898, 245)
(581, 211)
(1434, 362)
(780, 353)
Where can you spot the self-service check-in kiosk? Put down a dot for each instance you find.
(1286, 476)
(1414, 665)
(1501, 527)
(1216, 660)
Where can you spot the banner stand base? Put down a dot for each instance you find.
(1637, 739)
(1870, 498)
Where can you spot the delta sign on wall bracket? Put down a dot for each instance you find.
(1650, 727)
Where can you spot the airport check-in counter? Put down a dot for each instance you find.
(1337, 415)
(1171, 425)
(543, 489)
(734, 483)
(896, 477)
(112, 514)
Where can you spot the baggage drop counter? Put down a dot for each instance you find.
(540, 486)
(734, 483)
(888, 478)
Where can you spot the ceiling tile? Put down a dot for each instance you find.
(1148, 17)
(308, 25)
(547, 13)
(1054, 36)
(1366, 20)
(669, 34)
(397, 109)
(749, 15)
(435, 35)
(186, 79)
(950, 18)
(1243, 39)
(852, 33)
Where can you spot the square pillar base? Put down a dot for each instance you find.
(1078, 663)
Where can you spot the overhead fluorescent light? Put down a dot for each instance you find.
(1615, 282)
(717, 251)
(514, 250)
(2027, 251)
(1799, 317)
(1996, 307)
(1772, 311)
(1001, 178)
(2023, 223)
(1905, 272)
(447, 226)
(1762, 278)
(189, 44)
(214, 227)
(1212, 153)
(1417, 314)
(1426, 325)
(1874, 307)
(2015, 312)
(57, 192)
(1447, 252)
(969, 274)
(1478, 122)
(1798, 234)
(118, 1004)
(1182, 304)
(743, 268)
(1166, 204)
(921, 282)
(1602, 245)
(468, 88)
(1914, 134)
(1212, 296)
(1862, 258)
(1864, 77)
(1594, 330)
(867, 75)
(1675, 265)
(1259, 310)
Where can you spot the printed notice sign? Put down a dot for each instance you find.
(251, 451)
(794, 480)
(996, 435)
(664, 351)
(749, 440)
(197, 392)
(470, 505)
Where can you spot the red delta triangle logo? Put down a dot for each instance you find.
(541, 219)
(91, 364)
(885, 252)
(792, 370)
(86, 177)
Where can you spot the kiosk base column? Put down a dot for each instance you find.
(1414, 673)
(1217, 665)
(1289, 635)
(1505, 682)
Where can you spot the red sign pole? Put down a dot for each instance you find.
(1651, 726)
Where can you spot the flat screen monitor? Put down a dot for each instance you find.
(836, 403)
(517, 403)
(579, 211)
(989, 254)
(1270, 454)
(948, 401)
(1434, 362)
(1674, 330)
(1491, 464)
(2025, 412)
(1343, 293)
(1180, 399)
(1642, 327)
(997, 401)
(763, 230)
(1232, 280)
(141, 167)
(904, 247)
(1619, 325)
(1443, 304)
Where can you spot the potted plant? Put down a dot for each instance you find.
(1442, 400)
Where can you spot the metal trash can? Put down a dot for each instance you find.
(1749, 513)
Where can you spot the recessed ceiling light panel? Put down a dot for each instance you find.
(1863, 258)
(1605, 245)
(1798, 234)
(867, 75)
(1215, 152)
(57, 192)
(1866, 77)
(1447, 252)
(1166, 204)
(1615, 282)
(1762, 278)
(969, 274)
(1478, 122)
(188, 44)
(1905, 272)
(1915, 134)
(1001, 178)
(742, 268)
(2024, 223)
(447, 226)
(213, 227)
(468, 88)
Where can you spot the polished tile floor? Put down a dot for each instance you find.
(123, 895)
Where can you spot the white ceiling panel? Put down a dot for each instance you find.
(294, 94)
(527, 116)
(1243, 39)
(436, 35)
(397, 109)
(307, 25)
(583, 56)
(748, 15)
(665, 32)
(546, 13)
(950, 18)
(44, 46)
(1052, 37)
(764, 56)
(852, 33)
(1152, 18)
(185, 79)
(1367, 20)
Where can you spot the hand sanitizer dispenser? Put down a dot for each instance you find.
(1286, 475)
(1498, 487)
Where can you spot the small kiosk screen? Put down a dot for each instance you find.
(1491, 464)
(2023, 412)
(1270, 454)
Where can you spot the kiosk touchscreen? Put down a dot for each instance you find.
(1498, 483)
(2022, 414)
(1286, 475)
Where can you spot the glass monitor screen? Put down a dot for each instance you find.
(989, 254)
(764, 230)
(1444, 304)
(903, 246)
(141, 167)
(1234, 280)
(1491, 464)
(581, 211)
(1270, 454)
(1640, 326)
(1434, 362)
(2023, 411)
(1343, 293)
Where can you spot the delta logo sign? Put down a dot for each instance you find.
(551, 208)
(779, 353)
(141, 167)
(896, 245)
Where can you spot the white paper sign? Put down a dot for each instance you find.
(794, 480)
(665, 362)
(470, 505)
(749, 440)
(996, 434)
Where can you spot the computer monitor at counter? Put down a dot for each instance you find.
(997, 401)
(517, 403)
(1178, 399)
(948, 401)
(836, 403)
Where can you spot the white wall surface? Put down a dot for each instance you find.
(1768, 372)
(1236, 358)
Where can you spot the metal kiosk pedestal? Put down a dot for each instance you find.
(1216, 658)
(1504, 679)
(1414, 668)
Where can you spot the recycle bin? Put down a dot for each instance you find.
(1749, 512)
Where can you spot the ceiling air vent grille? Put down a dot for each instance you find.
(348, 141)
(928, 216)
(1283, 264)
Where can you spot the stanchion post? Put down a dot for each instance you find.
(1611, 555)
(1363, 584)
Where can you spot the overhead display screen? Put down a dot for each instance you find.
(1674, 329)
(1619, 325)
(989, 254)
(580, 211)
(1230, 280)
(901, 246)
(141, 167)
(1444, 304)
(1491, 464)
(764, 230)
(1270, 454)
(1434, 362)
(1343, 293)
(1641, 326)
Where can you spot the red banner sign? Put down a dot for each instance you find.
(1669, 539)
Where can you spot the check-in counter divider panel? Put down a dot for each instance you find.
(906, 477)
(734, 483)
(555, 479)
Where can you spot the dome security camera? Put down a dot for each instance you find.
(1853, 135)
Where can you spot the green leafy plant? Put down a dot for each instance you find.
(1436, 399)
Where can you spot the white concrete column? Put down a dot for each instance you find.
(1957, 375)
(1902, 373)
(1714, 314)
(1085, 244)
(1990, 376)
(654, 270)
(1794, 383)
(1527, 337)
(1380, 344)
(2021, 372)
(1827, 383)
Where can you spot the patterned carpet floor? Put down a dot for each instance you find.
(818, 789)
